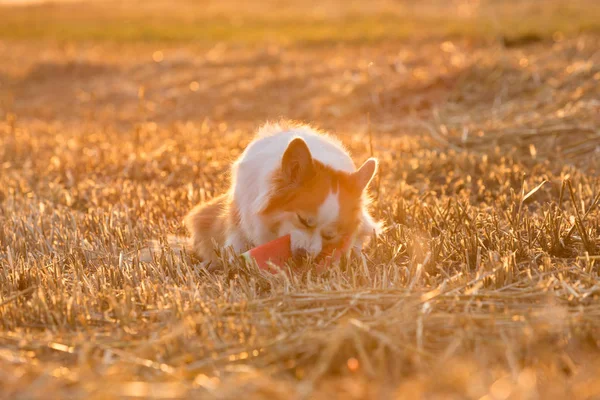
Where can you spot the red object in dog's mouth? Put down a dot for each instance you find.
(278, 251)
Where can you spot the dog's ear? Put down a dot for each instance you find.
(363, 176)
(297, 162)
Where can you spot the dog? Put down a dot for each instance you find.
(291, 179)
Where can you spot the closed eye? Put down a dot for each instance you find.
(304, 222)
(328, 236)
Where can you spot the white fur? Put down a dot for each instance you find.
(312, 240)
(251, 187)
(329, 210)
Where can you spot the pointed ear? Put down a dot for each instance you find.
(365, 173)
(297, 163)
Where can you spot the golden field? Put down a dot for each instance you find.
(117, 117)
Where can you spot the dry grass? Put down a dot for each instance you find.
(485, 286)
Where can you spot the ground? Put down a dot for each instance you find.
(117, 119)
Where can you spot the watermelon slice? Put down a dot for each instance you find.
(277, 251)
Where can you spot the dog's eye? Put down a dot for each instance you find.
(328, 236)
(307, 223)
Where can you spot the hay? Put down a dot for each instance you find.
(484, 284)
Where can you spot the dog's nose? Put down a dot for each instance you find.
(300, 253)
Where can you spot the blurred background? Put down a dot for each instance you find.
(117, 117)
(455, 69)
(331, 62)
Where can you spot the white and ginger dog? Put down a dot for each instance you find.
(291, 179)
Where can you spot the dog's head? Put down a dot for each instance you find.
(314, 203)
